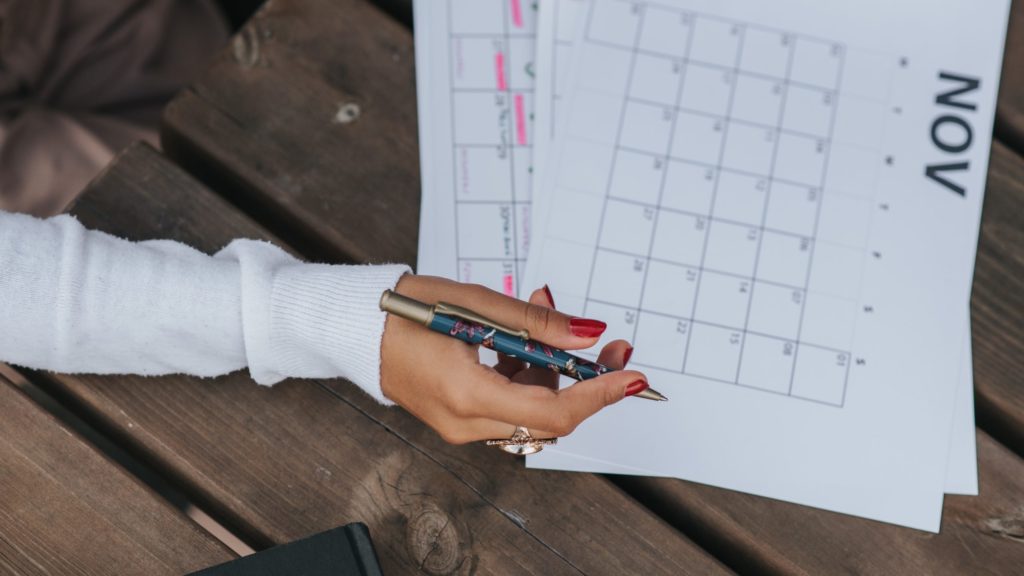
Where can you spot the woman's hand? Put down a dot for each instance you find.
(441, 381)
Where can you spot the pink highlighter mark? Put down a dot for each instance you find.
(517, 14)
(510, 289)
(520, 120)
(499, 69)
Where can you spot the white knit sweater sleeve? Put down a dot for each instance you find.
(80, 301)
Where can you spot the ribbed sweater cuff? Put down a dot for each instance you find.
(326, 321)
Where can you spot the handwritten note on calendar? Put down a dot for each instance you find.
(744, 192)
(475, 85)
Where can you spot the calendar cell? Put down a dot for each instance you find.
(621, 321)
(809, 111)
(828, 322)
(679, 238)
(767, 363)
(689, 187)
(740, 198)
(713, 352)
(521, 16)
(801, 159)
(766, 52)
(715, 42)
(775, 310)
(837, 270)
(723, 300)
(586, 123)
(665, 32)
(596, 161)
(731, 248)
(482, 105)
(627, 227)
(617, 278)
(816, 63)
(757, 100)
(844, 220)
(853, 170)
(637, 177)
(749, 148)
(792, 208)
(670, 289)
(486, 230)
(707, 89)
(477, 17)
(820, 374)
(604, 70)
(615, 23)
(482, 173)
(520, 63)
(698, 138)
(656, 79)
(646, 127)
(784, 259)
(522, 163)
(660, 341)
(498, 275)
(477, 63)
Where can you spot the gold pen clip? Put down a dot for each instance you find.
(470, 316)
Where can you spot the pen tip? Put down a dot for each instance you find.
(652, 394)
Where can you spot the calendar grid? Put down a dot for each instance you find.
(491, 196)
(817, 219)
(764, 216)
(714, 192)
(640, 216)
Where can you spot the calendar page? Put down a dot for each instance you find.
(475, 90)
(556, 30)
(766, 199)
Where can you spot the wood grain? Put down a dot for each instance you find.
(284, 462)
(980, 534)
(262, 127)
(65, 508)
(997, 303)
(1010, 110)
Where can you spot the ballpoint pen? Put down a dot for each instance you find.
(468, 326)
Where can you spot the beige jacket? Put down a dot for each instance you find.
(81, 79)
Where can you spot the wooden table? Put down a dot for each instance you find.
(255, 149)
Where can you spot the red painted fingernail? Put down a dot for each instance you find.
(586, 328)
(551, 299)
(637, 387)
(627, 355)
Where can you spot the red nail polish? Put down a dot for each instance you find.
(586, 328)
(627, 355)
(551, 299)
(637, 387)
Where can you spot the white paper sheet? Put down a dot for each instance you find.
(817, 360)
(556, 31)
(475, 89)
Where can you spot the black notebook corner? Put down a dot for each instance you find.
(344, 551)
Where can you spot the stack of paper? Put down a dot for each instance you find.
(777, 202)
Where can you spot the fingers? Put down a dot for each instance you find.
(543, 322)
(559, 412)
(615, 354)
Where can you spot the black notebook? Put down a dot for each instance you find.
(344, 551)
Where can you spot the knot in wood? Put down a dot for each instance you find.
(433, 541)
(246, 47)
(347, 113)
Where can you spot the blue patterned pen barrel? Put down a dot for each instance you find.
(530, 351)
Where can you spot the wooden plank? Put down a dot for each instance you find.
(980, 534)
(65, 508)
(1010, 111)
(263, 127)
(280, 463)
(997, 309)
